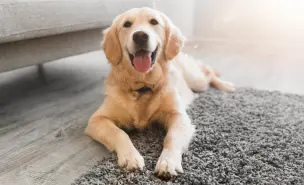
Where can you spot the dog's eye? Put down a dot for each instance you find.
(153, 22)
(127, 24)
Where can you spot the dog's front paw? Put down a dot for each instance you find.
(168, 164)
(131, 159)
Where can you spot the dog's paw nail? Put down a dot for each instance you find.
(131, 160)
(122, 162)
(163, 175)
(173, 172)
(229, 87)
(180, 169)
(168, 166)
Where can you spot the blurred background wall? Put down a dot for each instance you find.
(276, 21)
(255, 43)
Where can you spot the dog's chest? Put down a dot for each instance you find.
(146, 105)
(141, 106)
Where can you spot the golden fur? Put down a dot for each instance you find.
(171, 80)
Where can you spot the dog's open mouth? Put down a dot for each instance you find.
(143, 60)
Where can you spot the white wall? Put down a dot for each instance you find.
(243, 20)
(181, 13)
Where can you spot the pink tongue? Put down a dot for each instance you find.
(142, 63)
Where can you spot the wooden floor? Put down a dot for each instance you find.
(42, 121)
(42, 118)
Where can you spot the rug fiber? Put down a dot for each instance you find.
(246, 137)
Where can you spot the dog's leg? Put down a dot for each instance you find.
(192, 72)
(106, 132)
(199, 77)
(179, 134)
(216, 81)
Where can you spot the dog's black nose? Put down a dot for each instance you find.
(140, 38)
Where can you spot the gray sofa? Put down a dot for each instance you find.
(36, 31)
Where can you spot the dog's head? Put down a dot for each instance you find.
(140, 38)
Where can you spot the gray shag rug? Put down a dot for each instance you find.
(246, 137)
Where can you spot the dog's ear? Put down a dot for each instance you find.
(174, 39)
(111, 45)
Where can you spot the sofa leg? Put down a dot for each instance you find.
(41, 72)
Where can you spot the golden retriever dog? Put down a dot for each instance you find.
(150, 80)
